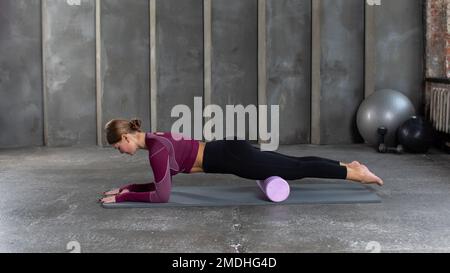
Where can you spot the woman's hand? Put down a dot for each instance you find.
(115, 192)
(108, 199)
(112, 192)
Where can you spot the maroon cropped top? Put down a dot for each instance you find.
(169, 153)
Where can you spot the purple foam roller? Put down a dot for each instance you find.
(275, 188)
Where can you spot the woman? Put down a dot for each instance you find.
(172, 153)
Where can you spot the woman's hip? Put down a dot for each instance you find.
(220, 156)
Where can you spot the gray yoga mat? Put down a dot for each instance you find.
(184, 196)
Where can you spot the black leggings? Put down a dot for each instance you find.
(240, 158)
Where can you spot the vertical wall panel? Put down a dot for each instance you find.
(21, 116)
(70, 72)
(400, 49)
(125, 60)
(179, 57)
(342, 69)
(234, 54)
(289, 66)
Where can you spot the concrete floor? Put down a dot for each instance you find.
(48, 199)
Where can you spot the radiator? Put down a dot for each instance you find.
(439, 107)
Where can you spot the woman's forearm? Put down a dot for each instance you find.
(139, 187)
(158, 192)
(133, 197)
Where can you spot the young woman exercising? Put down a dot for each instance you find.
(171, 153)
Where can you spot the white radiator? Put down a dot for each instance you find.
(439, 107)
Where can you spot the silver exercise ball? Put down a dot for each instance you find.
(387, 108)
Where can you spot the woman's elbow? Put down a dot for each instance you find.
(165, 199)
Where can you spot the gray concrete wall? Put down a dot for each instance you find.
(342, 69)
(400, 48)
(21, 117)
(289, 66)
(234, 54)
(179, 57)
(70, 72)
(125, 60)
(69, 60)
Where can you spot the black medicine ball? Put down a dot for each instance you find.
(416, 135)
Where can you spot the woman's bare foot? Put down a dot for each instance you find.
(115, 192)
(353, 164)
(360, 173)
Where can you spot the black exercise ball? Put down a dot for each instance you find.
(416, 135)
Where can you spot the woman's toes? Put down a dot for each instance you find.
(376, 180)
(380, 182)
(369, 177)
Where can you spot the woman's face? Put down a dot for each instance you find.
(126, 145)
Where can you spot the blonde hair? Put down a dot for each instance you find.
(117, 127)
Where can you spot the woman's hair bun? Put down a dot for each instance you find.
(135, 124)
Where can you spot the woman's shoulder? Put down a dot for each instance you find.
(158, 133)
(162, 133)
(154, 135)
(168, 134)
(160, 138)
